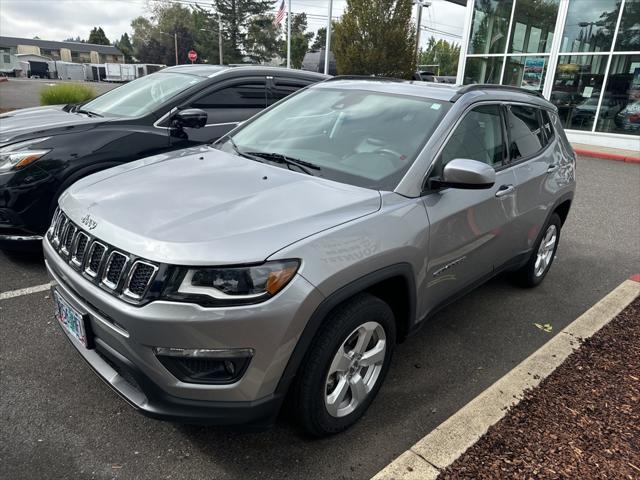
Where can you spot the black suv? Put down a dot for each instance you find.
(44, 150)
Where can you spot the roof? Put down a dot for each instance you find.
(438, 91)
(6, 42)
(204, 70)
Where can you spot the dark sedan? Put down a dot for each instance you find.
(44, 150)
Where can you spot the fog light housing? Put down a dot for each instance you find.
(205, 366)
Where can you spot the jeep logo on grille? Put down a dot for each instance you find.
(89, 222)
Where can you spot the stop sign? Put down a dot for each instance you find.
(193, 55)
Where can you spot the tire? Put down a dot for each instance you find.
(532, 274)
(315, 385)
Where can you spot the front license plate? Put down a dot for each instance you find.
(70, 319)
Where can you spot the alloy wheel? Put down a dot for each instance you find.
(355, 369)
(546, 250)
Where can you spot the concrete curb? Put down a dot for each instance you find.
(607, 155)
(454, 436)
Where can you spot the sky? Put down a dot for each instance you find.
(61, 19)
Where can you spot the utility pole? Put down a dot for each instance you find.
(220, 38)
(420, 4)
(289, 34)
(328, 45)
(175, 44)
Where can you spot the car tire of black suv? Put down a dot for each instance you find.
(338, 338)
(530, 275)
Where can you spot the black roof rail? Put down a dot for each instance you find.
(363, 77)
(493, 86)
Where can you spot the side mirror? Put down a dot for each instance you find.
(189, 118)
(467, 174)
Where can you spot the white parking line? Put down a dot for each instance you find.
(448, 441)
(24, 291)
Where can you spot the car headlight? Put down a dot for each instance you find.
(219, 286)
(19, 155)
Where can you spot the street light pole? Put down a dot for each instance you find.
(175, 44)
(328, 44)
(289, 35)
(420, 4)
(220, 38)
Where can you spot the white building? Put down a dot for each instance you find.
(582, 55)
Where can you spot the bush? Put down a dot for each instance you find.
(65, 93)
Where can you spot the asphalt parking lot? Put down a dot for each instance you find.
(59, 420)
(25, 92)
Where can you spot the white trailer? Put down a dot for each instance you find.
(70, 71)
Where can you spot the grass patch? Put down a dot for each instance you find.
(65, 93)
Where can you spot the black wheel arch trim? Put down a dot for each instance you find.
(339, 296)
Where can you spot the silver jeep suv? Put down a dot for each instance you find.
(289, 258)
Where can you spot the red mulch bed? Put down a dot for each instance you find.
(581, 422)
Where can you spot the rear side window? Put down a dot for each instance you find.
(526, 136)
(477, 137)
(242, 95)
(547, 127)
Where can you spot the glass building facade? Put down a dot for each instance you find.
(582, 55)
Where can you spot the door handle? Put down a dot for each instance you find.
(505, 190)
(552, 168)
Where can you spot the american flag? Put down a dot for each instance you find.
(280, 14)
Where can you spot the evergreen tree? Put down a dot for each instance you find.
(441, 53)
(124, 45)
(375, 37)
(97, 37)
(236, 18)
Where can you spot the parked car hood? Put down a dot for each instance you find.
(201, 206)
(27, 123)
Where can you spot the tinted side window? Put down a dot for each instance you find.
(547, 127)
(242, 95)
(477, 137)
(284, 88)
(526, 137)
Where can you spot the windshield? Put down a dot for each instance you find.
(141, 96)
(363, 138)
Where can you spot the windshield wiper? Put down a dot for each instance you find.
(236, 148)
(87, 112)
(289, 161)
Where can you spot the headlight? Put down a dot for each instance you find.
(19, 155)
(218, 286)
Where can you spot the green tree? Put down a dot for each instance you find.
(262, 41)
(206, 35)
(97, 37)
(441, 53)
(236, 18)
(124, 45)
(320, 40)
(375, 37)
(300, 39)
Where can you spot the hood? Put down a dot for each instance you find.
(27, 123)
(202, 206)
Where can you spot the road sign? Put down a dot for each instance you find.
(193, 55)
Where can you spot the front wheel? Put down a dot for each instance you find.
(543, 254)
(345, 366)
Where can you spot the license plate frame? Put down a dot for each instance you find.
(74, 323)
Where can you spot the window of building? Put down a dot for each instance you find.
(576, 89)
(526, 72)
(477, 137)
(483, 70)
(533, 25)
(490, 26)
(590, 25)
(629, 33)
(620, 104)
(525, 132)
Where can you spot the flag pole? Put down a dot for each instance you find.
(289, 34)
(328, 45)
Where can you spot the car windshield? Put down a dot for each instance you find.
(363, 138)
(141, 96)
